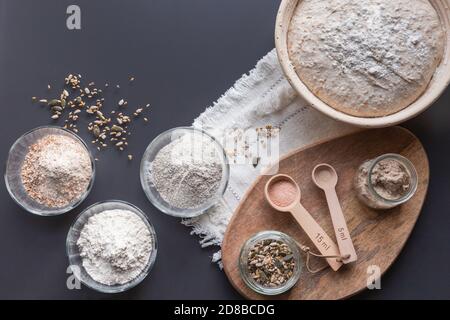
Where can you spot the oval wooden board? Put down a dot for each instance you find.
(378, 236)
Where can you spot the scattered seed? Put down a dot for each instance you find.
(116, 128)
(103, 122)
(96, 131)
(130, 157)
(54, 102)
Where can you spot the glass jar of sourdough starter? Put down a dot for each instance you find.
(252, 262)
(386, 181)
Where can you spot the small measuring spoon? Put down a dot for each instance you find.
(326, 178)
(287, 199)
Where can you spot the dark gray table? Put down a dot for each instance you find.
(184, 55)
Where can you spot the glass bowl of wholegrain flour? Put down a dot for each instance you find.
(111, 246)
(49, 171)
(184, 172)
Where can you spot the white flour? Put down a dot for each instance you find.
(115, 246)
(188, 171)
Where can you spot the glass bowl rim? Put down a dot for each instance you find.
(69, 207)
(103, 288)
(176, 212)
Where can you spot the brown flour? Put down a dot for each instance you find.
(390, 180)
(56, 171)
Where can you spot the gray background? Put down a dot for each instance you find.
(184, 55)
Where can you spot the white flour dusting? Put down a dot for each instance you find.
(366, 57)
(115, 246)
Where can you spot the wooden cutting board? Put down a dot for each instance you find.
(378, 236)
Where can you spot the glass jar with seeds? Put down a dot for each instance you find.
(270, 263)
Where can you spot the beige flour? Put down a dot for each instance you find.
(188, 171)
(389, 179)
(366, 58)
(56, 171)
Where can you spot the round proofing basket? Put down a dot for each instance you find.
(438, 83)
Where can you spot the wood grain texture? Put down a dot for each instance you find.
(378, 236)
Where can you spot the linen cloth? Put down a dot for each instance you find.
(260, 98)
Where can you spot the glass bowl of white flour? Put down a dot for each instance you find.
(111, 246)
(184, 172)
(49, 171)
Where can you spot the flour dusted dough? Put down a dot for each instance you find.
(367, 58)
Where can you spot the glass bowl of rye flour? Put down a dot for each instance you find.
(49, 171)
(184, 172)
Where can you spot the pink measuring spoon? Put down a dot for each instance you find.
(291, 203)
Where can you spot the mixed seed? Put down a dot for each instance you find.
(106, 129)
(270, 263)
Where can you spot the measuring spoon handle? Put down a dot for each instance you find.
(343, 237)
(318, 236)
